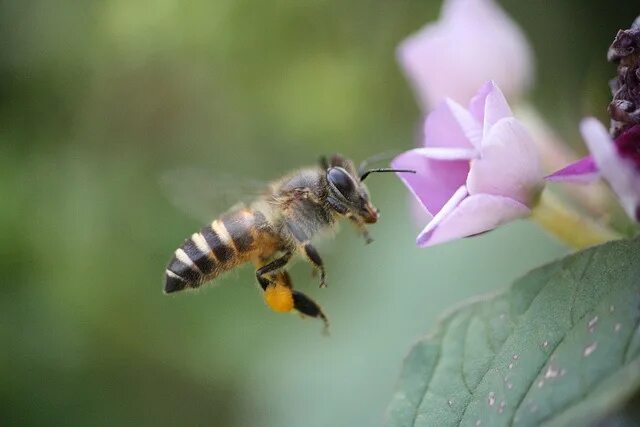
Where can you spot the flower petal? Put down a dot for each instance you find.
(583, 171)
(427, 46)
(476, 105)
(451, 126)
(470, 216)
(435, 181)
(489, 106)
(471, 127)
(456, 198)
(493, 48)
(438, 153)
(621, 174)
(628, 144)
(509, 165)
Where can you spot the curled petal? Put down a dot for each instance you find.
(468, 216)
(509, 165)
(471, 127)
(476, 105)
(621, 173)
(435, 181)
(583, 171)
(489, 106)
(458, 196)
(451, 126)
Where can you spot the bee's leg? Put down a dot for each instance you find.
(362, 229)
(313, 257)
(262, 272)
(278, 294)
(302, 241)
(281, 298)
(361, 226)
(365, 233)
(307, 307)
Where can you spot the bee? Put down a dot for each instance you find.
(276, 227)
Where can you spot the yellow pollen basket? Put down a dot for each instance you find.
(279, 297)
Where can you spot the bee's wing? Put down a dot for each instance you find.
(204, 195)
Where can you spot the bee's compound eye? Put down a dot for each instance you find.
(341, 180)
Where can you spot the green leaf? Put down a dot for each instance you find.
(560, 347)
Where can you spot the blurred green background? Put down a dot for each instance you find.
(99, 98)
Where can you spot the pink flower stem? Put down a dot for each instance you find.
(567, 225)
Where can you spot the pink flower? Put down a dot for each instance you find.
(478, 168)
(472, 42)
(618, 161)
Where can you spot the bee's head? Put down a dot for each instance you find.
(348, 195)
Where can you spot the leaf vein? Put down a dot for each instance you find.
(501, 346)
(464, 352)
(627, 346)
(424, 394)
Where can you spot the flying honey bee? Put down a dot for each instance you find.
(274, 228)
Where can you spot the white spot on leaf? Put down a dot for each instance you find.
(492, 398)
(588, 350)
(592, 324)
(551, 372)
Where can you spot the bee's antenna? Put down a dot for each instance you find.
(375, 158)
(366, 174)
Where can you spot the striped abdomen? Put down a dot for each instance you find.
(218, 247)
